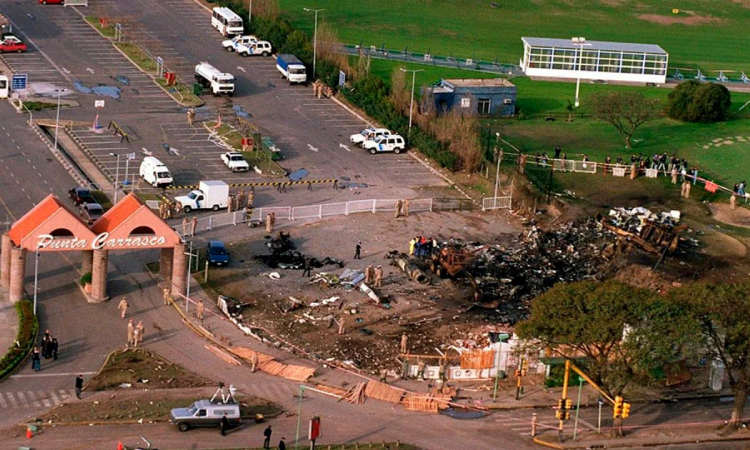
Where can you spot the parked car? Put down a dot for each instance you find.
(11, 44)
(238, 42)
(203, 413)
(235, 161)
(393, 143)
(52, 2)
(91, 212)
(81, 195)
(216, 253)
(368, 133)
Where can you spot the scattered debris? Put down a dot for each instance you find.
(284, 255)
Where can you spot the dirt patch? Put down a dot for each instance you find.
(142, 369)
(739, 217)
(449, 33)
(743, 3)
(689, 19)
(148, 406)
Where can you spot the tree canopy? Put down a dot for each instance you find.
(693, 101)
(626, 111)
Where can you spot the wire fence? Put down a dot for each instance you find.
(257, 216)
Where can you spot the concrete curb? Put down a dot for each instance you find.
(79, 178)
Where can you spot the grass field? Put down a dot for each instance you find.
(706, 34)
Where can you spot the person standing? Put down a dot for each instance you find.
(369, 274)
(36, 360)
(378, 276)
(412, 243)
(45, 345)
(79, 386)
(406, 208)
(136, 337)
(123, 307)
(131, 335)
(282, 444)
(185, 225)
(165, 296)
(191, 116)
(55, 346)
(199, 309)
(404, 341)
(224, 425)
(269, 224)
(254, 359)
(733, 202)
(250, 199)
(193, 225)
(341, 325)
(307, 266)
(399, 207)
(141, 331)
(558, 149)
(267, 437)
(358, 250)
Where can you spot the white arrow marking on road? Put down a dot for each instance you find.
(146, 152)
(66, 70)
(241, 68)
(90, 70)
(345, 147)
(312, 148)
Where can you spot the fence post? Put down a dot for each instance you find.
(374, 205)
(210, 220)
(291, 213)
(346, 209)
(320, 211)
(430, 204)
(234, 218)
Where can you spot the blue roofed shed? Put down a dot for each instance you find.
(487, 97)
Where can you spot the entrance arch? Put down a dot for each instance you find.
(53, 226)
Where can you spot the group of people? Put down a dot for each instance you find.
(46, 349)
(242, 200)
(189, 226)
(135, 334)
(421, 246)
(374, 275)
(168, 209)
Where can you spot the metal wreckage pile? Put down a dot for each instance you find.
(284, 255)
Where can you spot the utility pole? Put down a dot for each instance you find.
(57, 119)
(315, 37)
(411, 105)
(249, 11)
(117, 174)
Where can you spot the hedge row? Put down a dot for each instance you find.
(370, 93)
(28, 328)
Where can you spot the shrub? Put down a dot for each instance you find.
(693, 101)
(28, 327)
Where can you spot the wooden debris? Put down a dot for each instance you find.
(331, 390)
(222, 354)
(247, 354)
(288, 371)
(478, 359)
(423, 403)
(382, 391)
(356, 394)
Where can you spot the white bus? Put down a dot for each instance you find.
(226, 21)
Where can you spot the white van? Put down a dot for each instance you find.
(154, 172)
(226, 21)
(4, 86)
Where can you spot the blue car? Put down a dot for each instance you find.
(217, 253)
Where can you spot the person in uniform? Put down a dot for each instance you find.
(378, 276)
(199, 309)
(123, 307)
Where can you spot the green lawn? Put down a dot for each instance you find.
(712, 39)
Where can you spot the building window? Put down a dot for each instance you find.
(484, 106)
(466, 102)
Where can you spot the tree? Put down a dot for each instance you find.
(693, 101)
(623, 332)
(626, 111)
(399, 94)
(722, 314)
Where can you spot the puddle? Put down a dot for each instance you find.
(240, 112)
(299, 174)
(101, 90)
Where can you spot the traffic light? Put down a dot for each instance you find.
(625, 410)
(562, 414)
(524, 367)
(568, 403)
(518, 373)
(618, 407)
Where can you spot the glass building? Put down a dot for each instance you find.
(594, 60)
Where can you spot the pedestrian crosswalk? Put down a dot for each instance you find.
(518, 421)
(33, 399)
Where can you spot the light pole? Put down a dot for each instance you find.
(413, 82)
(299, 415)
(497, 171)
(57, 120)
(36, 276)
(117, 174)
(580, 41)
(315, 37)
(249, 11)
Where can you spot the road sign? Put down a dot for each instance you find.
(19, 82)
(98, 103)
(342, 78)
(314, 429)
(159, 67)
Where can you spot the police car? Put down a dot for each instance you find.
(392, 143)
(368, 133)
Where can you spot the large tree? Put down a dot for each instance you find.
(693, 101)
(722, 311)
(623, 332)
(626, 111)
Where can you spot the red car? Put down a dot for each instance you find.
(12, 44)
(52, 2)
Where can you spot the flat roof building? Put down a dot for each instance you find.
(594, 60)
(488, 97)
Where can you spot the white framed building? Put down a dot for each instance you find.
(594, 60)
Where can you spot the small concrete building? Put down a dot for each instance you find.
(489, 97)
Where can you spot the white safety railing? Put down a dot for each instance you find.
(320, 211)
(496, 203)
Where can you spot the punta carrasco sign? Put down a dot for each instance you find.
(101, 241)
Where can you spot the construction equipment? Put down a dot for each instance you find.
(451, 260)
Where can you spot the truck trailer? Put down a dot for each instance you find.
(291, 68)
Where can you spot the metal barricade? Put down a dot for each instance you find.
(333, 209)
(282, 212)
(420, 205)
(584, 166)
(385, 205)
(307, 212)
(360, 206)
(496, 203)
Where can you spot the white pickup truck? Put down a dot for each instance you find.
(235, 161)
(247, 46)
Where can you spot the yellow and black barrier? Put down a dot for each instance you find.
(264, 183)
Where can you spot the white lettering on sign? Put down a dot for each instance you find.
(102, 241)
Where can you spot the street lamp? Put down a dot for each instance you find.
(117, 173)
(57, 120)
(497, 171)
(413, 82)
(36, 276)
(249, 11)
(580, 41)
(315, 37)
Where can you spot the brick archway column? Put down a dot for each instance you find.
(17, 273)
(165, 264)
(179, 270)
(5, 257)
(87, 261)
(99, 275)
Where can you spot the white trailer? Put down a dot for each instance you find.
(211, 77)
